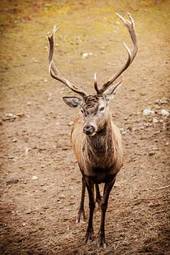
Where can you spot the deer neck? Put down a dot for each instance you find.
(100, 144)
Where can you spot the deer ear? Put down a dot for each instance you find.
(72, 101)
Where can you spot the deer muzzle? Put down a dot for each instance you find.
(89, 129)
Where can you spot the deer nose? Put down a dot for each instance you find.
(88, 129)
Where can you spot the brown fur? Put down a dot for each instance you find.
(96, 140)
(101, 151)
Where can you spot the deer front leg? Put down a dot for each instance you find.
(104, 203)
(81, 211)
(90, 189)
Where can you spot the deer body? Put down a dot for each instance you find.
(100, 155)
(96, 140)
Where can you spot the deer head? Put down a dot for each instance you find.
(94, 107)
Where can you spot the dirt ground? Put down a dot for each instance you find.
(40, 180)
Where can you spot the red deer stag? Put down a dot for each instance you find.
(95, 139)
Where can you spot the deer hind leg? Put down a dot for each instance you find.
(104, 203)
(81, 211)
(98, 196)
(90, 189)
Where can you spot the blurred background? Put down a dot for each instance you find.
(40, 179)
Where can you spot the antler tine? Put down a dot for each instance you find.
(53, 69)
(95, 83)
(130, 24)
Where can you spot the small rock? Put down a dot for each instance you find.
(65, 149)
(71, 123)
(35, 60)
(12, 180)
(164, 113)
(130, 128)
(86, 55)
(161, 101)
(49, 96)
(142, 94)
(28, 212)
(147, 124)
(61, 196)
(27, 150)
(45, 207)
(34, 177)
(9, 116)
(20, 114)
(151, 153)
(147, 112)
(157, 107)
(155, 120)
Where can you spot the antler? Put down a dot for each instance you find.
(53, 69)
(130, 24)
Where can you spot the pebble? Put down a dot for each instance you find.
(45, 207)
(20, 114)
(161, 101)
(147, 112)
(12, 180)
(164, 113)
(28, 212)
(142, 94)
(155, 120)
(61, 196)
(130, 128)
(147, 124)
(86, 55)
(70, 123)
(151, 153)
(26, 151)
(9, 116)
(34, 177)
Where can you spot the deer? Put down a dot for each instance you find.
(96, 140)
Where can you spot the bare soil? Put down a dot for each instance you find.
(40, 179)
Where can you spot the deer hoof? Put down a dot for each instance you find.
(101, 242)
(89, 236)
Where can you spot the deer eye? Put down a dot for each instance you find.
(101, 109)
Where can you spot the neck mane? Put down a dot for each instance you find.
(101, 143)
